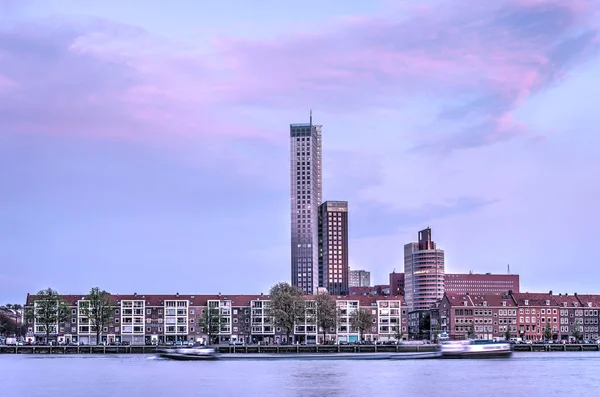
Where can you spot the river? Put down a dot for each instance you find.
(525, 374)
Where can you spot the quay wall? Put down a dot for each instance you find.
(221, 349)
(276, 349)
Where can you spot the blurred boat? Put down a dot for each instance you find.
(475, 349)
(189, 354)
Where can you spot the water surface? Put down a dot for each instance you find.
(525, 374)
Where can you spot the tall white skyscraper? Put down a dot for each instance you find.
(306, 196)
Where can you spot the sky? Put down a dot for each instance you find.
(144, 146)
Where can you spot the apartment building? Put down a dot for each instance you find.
(588, 313)
(151, 319)
(487, 317)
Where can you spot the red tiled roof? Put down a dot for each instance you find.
(593, 299)
(201, 300)
(495, 300)
(535, 299)
(570, 300)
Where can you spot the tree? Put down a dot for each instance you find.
(398, 334)
(577, 332)
(211, 322)
(326, 312)
(424, 324)
(287, 306)
(98, 309)
(5, 325)
(16, 310)
(472, 334)
(361, 320)
(437, 330)
(244, 325)
(48, 311)
(547, 332)
(507, 333)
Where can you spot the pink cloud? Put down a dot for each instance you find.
(507, 51)
(6, 83)
(110, 79)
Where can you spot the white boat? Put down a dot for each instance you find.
(475, 349)
(189, 354)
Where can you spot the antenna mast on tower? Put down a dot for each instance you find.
(508, 269)
(311, 117)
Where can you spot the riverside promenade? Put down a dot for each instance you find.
(556, 347)
(252, 349)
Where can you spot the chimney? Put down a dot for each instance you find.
(550, 292)
(575, 293)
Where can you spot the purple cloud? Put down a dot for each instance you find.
(113, 80)
(494, 54)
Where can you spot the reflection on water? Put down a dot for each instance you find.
(533, 374)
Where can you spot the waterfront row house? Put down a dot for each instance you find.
(148, 319)
(525, 315)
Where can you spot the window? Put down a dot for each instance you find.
(148, 311)
(116, 312)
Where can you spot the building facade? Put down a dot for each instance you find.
(487, 283)
(423, 273)
(156, 319)
(306, 196)
(590, 305)
(397, 283)
(475, 316)
(333, 247)
(536, 312)
(359, 278)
